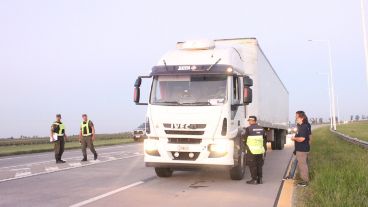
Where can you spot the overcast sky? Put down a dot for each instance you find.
(74, 57)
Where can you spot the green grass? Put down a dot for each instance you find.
(339, 173)
(355, 129)
(74, 144)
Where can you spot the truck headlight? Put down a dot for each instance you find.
(218, 148)
(151, 147)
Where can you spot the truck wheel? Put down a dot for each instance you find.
(163, 172)
(273, 145)
(278, 143)
(282, 139)
(237, 172)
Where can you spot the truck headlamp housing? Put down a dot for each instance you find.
(150, 145)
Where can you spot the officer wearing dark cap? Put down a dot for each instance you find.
(255, 142)
(58, 128)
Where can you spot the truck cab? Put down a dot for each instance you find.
(197, 109)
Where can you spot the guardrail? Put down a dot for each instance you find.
(352, 140)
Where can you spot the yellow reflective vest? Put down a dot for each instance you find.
(86, 129)
(61, 130)
(255, 144)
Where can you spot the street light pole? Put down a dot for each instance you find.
(364, 27)
(332, 86)
(332, 90)
(329, 97)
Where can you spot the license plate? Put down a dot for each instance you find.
(183, 148)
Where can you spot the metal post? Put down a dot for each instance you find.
(332, 86)
(364, 27)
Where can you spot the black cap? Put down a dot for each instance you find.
(254, 118)
(58, 115)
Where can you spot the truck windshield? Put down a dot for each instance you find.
(189, 90)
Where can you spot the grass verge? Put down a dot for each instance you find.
(355, 129)
(35, 148)
(338, 173)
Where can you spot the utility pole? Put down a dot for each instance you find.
(364, 27)
(332, 90)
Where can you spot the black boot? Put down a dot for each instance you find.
(95, 156)
(259, 180)
(253, 182)
(84, 159)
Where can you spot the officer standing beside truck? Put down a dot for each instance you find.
(58, 128)
(255, 142)
(87, 136)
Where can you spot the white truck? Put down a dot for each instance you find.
(201, 96)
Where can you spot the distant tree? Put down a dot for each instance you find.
(321, 120)
(351, 117)
(357, 117)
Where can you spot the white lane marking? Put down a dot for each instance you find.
(75, 164)
(72, 150)
(83, 203)
(111, 158)
(22, 174)
(70, 158)
(18, 169)
(68, 168)
(52, 169)
(94, 161)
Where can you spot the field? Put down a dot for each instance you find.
(356, 129)
(33, 145)
(338, 172)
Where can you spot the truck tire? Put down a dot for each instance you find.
(273, 145)
(163, 172)
(237, 172)
(278, 143)
(280, 136)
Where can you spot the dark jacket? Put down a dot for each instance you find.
(253, 130)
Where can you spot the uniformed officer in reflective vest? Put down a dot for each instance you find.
(87, 136)
(58, 128)
(255, 141)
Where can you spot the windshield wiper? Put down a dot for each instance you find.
(169, 102)
(198, 103)
(209, 68)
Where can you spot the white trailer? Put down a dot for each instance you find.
(201, 95)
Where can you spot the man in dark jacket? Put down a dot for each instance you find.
(255, 141)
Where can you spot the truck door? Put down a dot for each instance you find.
(235, 101)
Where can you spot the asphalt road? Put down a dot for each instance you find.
(119, 178)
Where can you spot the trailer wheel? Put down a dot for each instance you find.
(280, 138)
(163, 172)
(237, 172)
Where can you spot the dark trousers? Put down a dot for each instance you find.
(59, 148)
(255, 163)
(87, 142)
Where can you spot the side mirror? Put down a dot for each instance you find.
(247, 81)
(247, 95)
(137, 95)
(138, 82)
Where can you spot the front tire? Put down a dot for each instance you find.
(237, 172)
(163, 172)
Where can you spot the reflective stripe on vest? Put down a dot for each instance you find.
(255, 144)
(61, 129)
(85, 128)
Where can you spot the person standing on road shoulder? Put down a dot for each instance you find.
(87, 136)
(302, 146)
(255, 142)
(58, 128)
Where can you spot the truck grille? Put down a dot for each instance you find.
(181, 132)
(185, 156)
(184, 141)
(184, 126)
